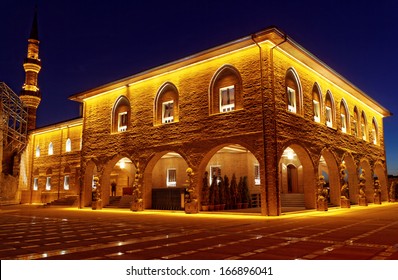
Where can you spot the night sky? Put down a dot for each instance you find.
(84, 44)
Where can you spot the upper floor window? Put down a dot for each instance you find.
(68, 145)
(291, 100)
(355, 123)
(227, 99)
(293, 92)
(121, 114)
(122, 122)
(375, 132)
(316, 102)
(50, 149)
(364, 128)
(225, 91)
(168, 111)
(344, 115)
(329, 110)
(37, 151)
(166, 104)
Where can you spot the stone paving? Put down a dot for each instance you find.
(359, 233)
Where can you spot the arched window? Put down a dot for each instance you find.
(344, 116)
(50, 149)
(166, 104)
(375, 132)
(68, 145)
(316, 102)
(226, 90)
(355, 123)
(121, 115)
(293, 92)
(37, 151)
(364, 127)
(329, 110)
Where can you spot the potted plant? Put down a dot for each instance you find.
(227, 193)
(234, 192)
(205, 193)
(245, 194)
(221, 189)
(211, 193)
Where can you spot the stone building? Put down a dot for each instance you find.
(261, 107)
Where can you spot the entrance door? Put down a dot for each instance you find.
(292, 179)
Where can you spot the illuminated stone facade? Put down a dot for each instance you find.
(261, 107)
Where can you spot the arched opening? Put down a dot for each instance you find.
(121, 114)
(233, 182)
(297, 179)
(119, 174)
(165, 181)
(166, 104)
(329, 169)
(226, 90)
(293, 92)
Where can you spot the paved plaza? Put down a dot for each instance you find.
(52, 233)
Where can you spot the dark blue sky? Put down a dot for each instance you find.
(84, 44)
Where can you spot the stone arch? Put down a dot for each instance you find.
(365, 165)
(121, 114)
(317, 103)
(159, 162)
(307, 175)
(225, 90)
(380, 172)
(330, 110)
(294, 95)
(239, 159)
(166, 106)
(127, 172)
(351, 170)
(333, 175)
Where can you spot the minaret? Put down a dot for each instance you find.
(30, 94)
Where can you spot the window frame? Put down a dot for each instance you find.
(317, 110)
(329, 116)
(171, 177)
(257, 176)
(230, 106)
(68, 145)
(343, 123)
(48, 183)
(66, 182)
(291, 100)
(122, 121)
(169, 119)
(35, 184)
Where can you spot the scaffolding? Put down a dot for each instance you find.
(14, 117)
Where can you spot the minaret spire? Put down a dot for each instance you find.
(30, 94)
